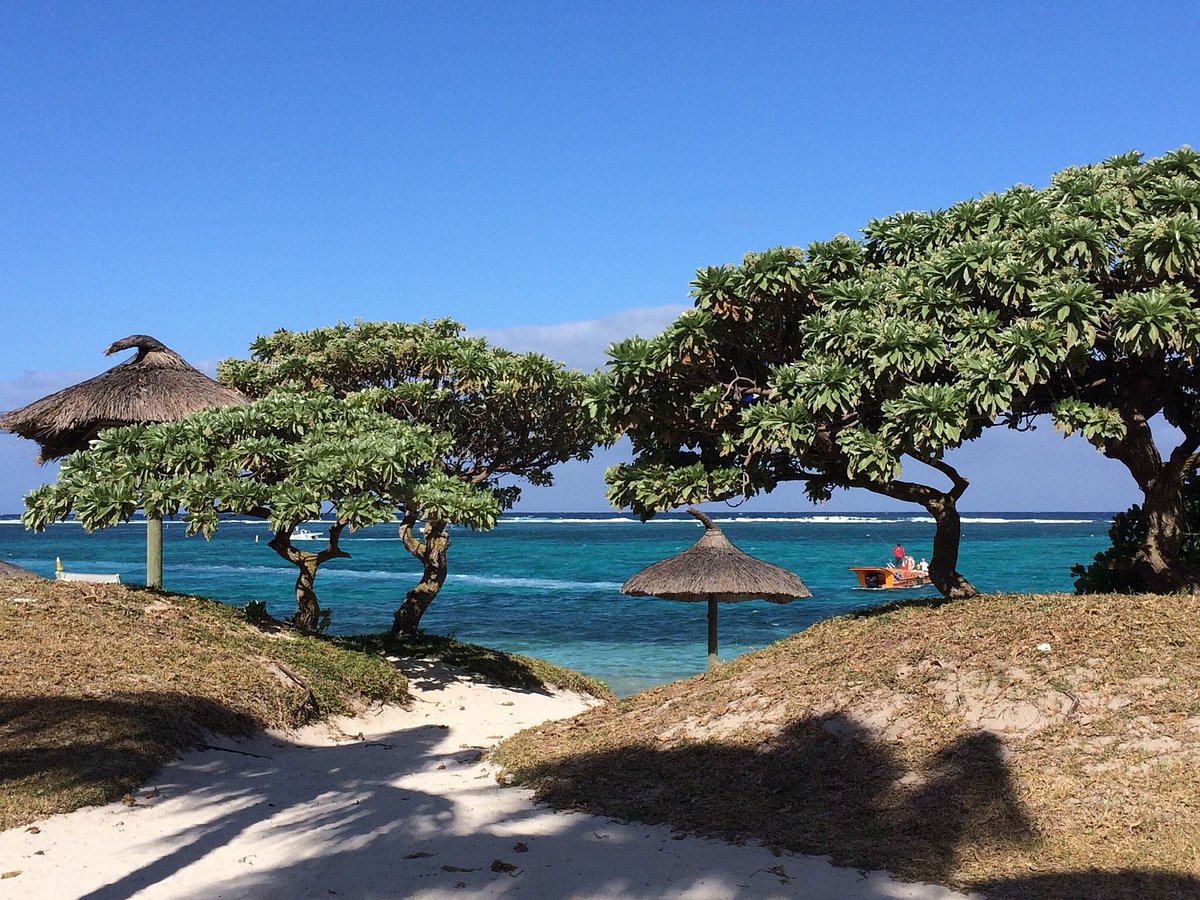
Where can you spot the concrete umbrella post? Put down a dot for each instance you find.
(712, 632)
(154, 552)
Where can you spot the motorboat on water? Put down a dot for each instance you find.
(883, 578)
(303, 534)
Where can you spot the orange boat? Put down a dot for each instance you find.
(882, 578)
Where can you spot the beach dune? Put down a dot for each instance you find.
(392, 803)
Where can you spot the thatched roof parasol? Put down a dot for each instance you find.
(156, 385)
(713, 569)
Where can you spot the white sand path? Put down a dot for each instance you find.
(406, 810)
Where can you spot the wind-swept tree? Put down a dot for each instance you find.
(509, 415)
(806, 365)
(838, 363)
(1088, 296)
(285, 458)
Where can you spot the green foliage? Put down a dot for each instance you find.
(504, 416)
(1110, 570)
(1097, 423)
(256, 612)
(285, 458)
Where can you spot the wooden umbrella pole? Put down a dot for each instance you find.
(154, 544)
(712, 632)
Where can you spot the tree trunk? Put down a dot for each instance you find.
(308, 607)
(432, 553)
(1158, 564)
(947, 537)
(943, 507)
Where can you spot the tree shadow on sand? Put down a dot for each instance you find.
(275, 820)
(437, 661)
(96, 749)
(827, 786)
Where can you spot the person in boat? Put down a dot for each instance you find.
(898, 556)
(909, 564)
(922, 566)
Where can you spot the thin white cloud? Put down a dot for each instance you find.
(581, 345)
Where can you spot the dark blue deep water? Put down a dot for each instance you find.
(547, 585)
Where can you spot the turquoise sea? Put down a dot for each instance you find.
(548, 584)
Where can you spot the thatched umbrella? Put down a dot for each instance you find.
(715, 570)
(156, 385)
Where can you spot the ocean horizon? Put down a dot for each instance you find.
(548, 584)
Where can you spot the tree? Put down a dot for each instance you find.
(283, 458)
(810, 365)
(1090, 289)
(836, 364)
(509, 416)
(1110, 570)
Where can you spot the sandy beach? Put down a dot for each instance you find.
(392, 803)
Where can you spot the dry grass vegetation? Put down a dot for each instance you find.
(102, 684)
(944, 743)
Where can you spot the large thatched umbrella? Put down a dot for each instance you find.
(156, 385)
(715, 570)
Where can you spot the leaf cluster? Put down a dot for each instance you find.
(284, 457)
(507, 414)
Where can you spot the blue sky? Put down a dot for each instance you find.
(551, 174)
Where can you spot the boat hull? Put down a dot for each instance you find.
(887, 578)
(88, 578)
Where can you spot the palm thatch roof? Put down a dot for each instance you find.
(714, 568)
(156, 385)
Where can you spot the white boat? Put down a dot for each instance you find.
(88, 577)
(303, 534)
(84, 577)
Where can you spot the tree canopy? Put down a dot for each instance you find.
(846, 362)
(285, 458)
(509, 416)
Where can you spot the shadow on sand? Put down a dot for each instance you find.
(99, 748)
(829, 786)
(273, 819)
(343, 820)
